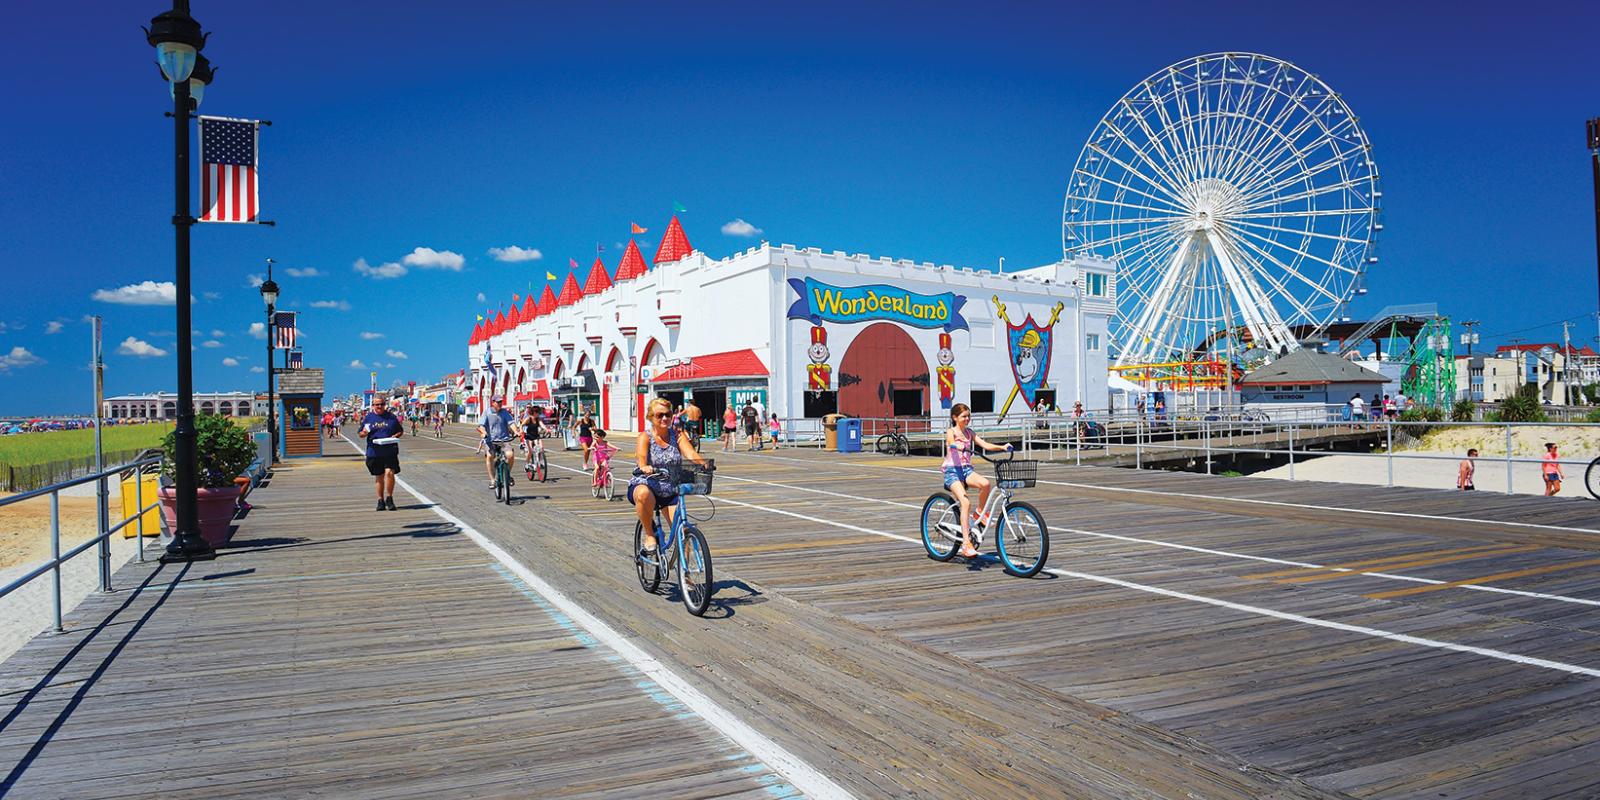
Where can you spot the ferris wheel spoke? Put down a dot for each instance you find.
(1140, 235)
(1170, 207)
(1259, 136)
(1090, 223)
(1122, 204)
(1257, 191)
(1303, 254)
(1171, 181)
(1131, 170)
(1324, 212)
(1298, 232)
(1174, 167)
(1254, 304)
(1274, 162)
(1291, 271)
(1305, 195)
(1268, 134)
(1181, 153)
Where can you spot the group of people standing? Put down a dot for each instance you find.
(754, 422)
(1389, 408)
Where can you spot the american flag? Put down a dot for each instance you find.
(228, 157)
(283, 324)
(297, 359)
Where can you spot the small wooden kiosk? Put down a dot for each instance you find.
(300, 412)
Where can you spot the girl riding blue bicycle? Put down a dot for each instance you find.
(959, 475)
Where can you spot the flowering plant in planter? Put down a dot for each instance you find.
(223, 450)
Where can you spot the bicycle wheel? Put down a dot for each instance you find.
(1023, 540)
(649, 573)
(902, 444)
(941, 526)
(503, 474)
(542, 470)
(694, 571)
(885, 445)
(609, 487)
(1591, 478)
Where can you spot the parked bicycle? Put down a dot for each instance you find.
(502, 470)
(1021, 537)
(894, 442)
(681, 544)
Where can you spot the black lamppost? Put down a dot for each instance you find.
(269, 293)
(177, 39)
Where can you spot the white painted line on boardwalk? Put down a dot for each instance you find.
(1268, 612)
(1210, 551)
(1228, 604)
(1279, 503)
(802, 775)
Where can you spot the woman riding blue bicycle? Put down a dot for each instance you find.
(661, 449)
(959, 475)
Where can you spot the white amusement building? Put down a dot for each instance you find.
(804, 332)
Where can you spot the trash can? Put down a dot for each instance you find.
(850, 435)
(130, 505)
(830, 431)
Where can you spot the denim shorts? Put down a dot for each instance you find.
(954, 475)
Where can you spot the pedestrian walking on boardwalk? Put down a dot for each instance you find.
(777, 429)
(1553, 476)
(730, 426)
(1464, 474)
(752, 431)
(383, 459)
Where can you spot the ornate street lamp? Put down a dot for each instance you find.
(177, 38)
(269, 293)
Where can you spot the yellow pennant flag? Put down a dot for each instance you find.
(549, 276)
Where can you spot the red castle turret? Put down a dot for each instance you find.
(598, 280)
(674, 244)
(632, 265)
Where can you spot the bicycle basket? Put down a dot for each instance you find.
(1016, 474)
(691, 478)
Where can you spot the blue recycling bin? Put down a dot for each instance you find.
(850, 435)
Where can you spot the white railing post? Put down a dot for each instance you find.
(1291, 451)
(1508, 460)
(1206, 430)
(55, 553)
(1388, 431)
(138, 504)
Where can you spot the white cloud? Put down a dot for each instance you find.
(230, 362)
(256, 279)
(211, 343)
(258, 330)
(400, 354)
(53, 326)
(370, 335)
(217, 333)
(355, 363)
(481, 298)
(342, 305)
(145, 293)
(515, 253)
(211, 295)
(382, 271)
(389, 365)
(18, 357)
(257, 369)
(739, 227)
(136, 347)
(429, 258)
(308, 272)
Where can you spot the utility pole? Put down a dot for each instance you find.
(1566, 362)
(1470, 338)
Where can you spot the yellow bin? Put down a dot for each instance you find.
(130, 506)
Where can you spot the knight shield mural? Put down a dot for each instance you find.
(1030, 347)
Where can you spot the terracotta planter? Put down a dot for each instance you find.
(215, 508)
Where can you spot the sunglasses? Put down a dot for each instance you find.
(660, 415)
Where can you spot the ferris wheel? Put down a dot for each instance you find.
(1238, 197)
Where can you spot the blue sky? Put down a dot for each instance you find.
(921, 131)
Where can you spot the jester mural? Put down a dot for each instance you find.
(1030, 345)
(818, 372)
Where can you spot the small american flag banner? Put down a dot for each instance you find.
(229, 155)
(283, 326)
(297, 359)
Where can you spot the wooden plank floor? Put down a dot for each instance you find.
(1360, 711)
(336, 651)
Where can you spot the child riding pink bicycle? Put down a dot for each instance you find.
(603, 486)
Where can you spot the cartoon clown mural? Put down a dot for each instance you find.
(1030, 345)
(819, 374)
(946, 371)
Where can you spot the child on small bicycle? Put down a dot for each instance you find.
(959, 476)
(602, 456)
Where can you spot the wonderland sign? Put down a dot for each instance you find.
(821, 302)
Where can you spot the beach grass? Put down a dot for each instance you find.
(43, 447)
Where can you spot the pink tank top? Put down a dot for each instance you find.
(959, 455)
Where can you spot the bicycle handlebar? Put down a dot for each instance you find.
(1010, 454)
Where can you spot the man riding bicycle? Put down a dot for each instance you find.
(498, 426)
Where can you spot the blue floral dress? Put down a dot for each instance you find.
(665, 457)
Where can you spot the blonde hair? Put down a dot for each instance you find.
(659, 402)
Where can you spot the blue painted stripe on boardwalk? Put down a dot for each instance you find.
(772, 782)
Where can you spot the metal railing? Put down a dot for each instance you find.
(137, 469)
(1203, 440)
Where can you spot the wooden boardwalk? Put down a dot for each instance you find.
(1198, 637)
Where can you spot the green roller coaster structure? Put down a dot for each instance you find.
(1429, 378)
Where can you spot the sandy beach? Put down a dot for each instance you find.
(1429, 473)
(25, 543)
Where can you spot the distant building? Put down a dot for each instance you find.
(164, 405)
(1545, 365)
(1306, 380)
(1484, 378)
